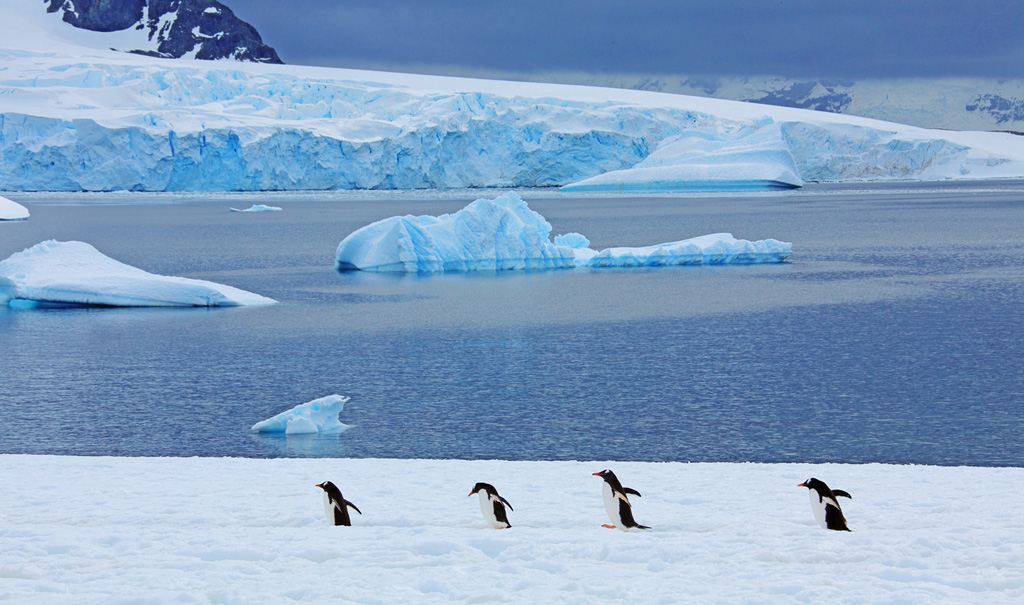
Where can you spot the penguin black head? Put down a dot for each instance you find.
(604, 474)
(814, 484)
(486, 487)
(329, 487)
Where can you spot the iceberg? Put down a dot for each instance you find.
(258, 208)
(76, 273)
(12, 211)
(751, 157)
(505, 234)
(486, 235)
(317, 416)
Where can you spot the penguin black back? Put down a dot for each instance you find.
(825, 504)
(335, 505)
(492, 505)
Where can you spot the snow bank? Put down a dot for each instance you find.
(12, 211)
(258, 208)
(232, 530)
(83, 119)
(504, 233)
(77, 273)
(317, 416)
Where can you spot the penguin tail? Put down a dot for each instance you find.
(641, 527)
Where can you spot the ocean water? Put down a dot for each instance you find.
(893, 334)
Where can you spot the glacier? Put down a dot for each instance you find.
(317, 416)
(505, 234)
(79, 117)
(12, 211)
(77, 273)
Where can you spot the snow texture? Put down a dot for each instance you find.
(12, 211)
(505, 234)
(317, 416)
(76, 273)
(258, 208)
(230, 530)
(77, 117)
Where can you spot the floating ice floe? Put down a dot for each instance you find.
(258, 208)
(12, 211)
(504, 233)
(317, 416)
(76, 273)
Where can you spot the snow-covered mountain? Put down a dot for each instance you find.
(76, 116)
(943, 103)
(196, 29)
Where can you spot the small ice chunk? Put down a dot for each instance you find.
(258, 208)
(317, 416)
(573, 240)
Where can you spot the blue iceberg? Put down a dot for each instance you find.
(317, 416)
(505, 234)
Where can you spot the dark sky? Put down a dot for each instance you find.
(822, 38)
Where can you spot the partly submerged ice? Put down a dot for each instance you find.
(317, 416)
(504, 233)
(11, 210)
(76, 273)
(258, 208)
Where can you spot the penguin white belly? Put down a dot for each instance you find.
(818, 508)
(611, 505)
(328, 509)
(487, 508)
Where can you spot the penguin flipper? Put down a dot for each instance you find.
(347, 503)
(505, 502)
(630, 490)
(841, 493)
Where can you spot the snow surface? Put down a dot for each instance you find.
(258, 208)
(76, 273)
(317, 416)
(12, 211)
(76, 117)
(229, 530)
(505, 234)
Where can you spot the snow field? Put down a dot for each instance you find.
(112, 530)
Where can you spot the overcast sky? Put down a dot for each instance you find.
(820, 38)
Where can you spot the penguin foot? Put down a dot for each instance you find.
(608, 526)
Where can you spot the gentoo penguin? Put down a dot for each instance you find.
(824, 505)
(492, 505)
(616, 502)
(335, 505)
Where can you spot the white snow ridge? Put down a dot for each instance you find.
(504, 233)
(77, 273)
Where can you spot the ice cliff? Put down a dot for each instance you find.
(505, 234)
(76, 118)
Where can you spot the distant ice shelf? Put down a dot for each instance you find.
(505, 234)
(258, 208)
(317, 416)
(78, 274)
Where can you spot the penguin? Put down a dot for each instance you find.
(492, 505)
(335, 505)
(616, 502)
(824, 504)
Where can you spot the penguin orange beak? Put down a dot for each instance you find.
(802, 485)
(596, 474)
(320, 485)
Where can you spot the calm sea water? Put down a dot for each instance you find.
(894, 334)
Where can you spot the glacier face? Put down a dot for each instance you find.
(505, 234)
(82, 119)
(76, 273)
